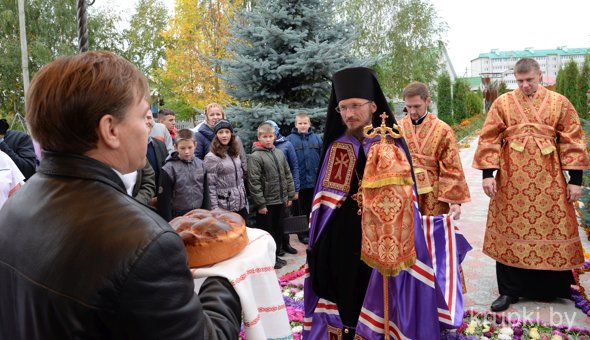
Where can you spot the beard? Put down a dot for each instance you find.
(358, 132)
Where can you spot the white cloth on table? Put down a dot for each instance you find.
(251, 273)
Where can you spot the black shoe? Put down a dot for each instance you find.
(278, 265)
(281, 253)
(303, 239)
(503, 302)
(281, 261)
(287, 247)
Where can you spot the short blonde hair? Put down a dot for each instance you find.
(265, 128)
(302, 115)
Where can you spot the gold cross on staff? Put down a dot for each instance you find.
(383, 130)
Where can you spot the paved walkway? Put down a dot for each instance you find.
(480, 273)
(479, 269)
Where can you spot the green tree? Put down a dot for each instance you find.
(405, 36)
(474, 103)
(460, 91)
(559, 84)
(283, 54)
(183, 109)
(11, 85)
(51, 31)
(585, 199)
(502, 88)
(445, 99)
(582, 86)
(570, 77)
(103, 30)
(145, 46)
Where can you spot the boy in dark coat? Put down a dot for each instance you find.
(271, 186)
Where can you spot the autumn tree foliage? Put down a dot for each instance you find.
(195, 40)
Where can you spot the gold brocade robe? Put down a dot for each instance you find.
(437, 166)
(387, 210)
(530, 141)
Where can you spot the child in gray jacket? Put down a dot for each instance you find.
(183, 180)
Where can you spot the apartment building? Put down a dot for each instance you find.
(499, 65)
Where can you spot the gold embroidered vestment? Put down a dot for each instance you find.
(437, 166)
(530, 223)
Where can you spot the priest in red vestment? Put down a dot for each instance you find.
(529, 137)
(435, 155)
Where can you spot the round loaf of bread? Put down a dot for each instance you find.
(211, 236)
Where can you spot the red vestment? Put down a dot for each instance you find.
(530, 141)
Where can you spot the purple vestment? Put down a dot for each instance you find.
(423, 300)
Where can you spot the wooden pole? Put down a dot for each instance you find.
(82, 27)
(23, 46)
(386, 306)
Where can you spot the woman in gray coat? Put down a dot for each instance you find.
(225, 174)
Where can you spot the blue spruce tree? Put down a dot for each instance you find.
(283, 56)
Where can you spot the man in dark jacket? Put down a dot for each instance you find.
(156, 149)
(79, 258)
(19, 147)
(156, 156)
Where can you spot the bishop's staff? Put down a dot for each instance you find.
(386, 202)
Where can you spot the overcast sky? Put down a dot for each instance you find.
(477, 26)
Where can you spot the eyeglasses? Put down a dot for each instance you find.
(354, 107)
